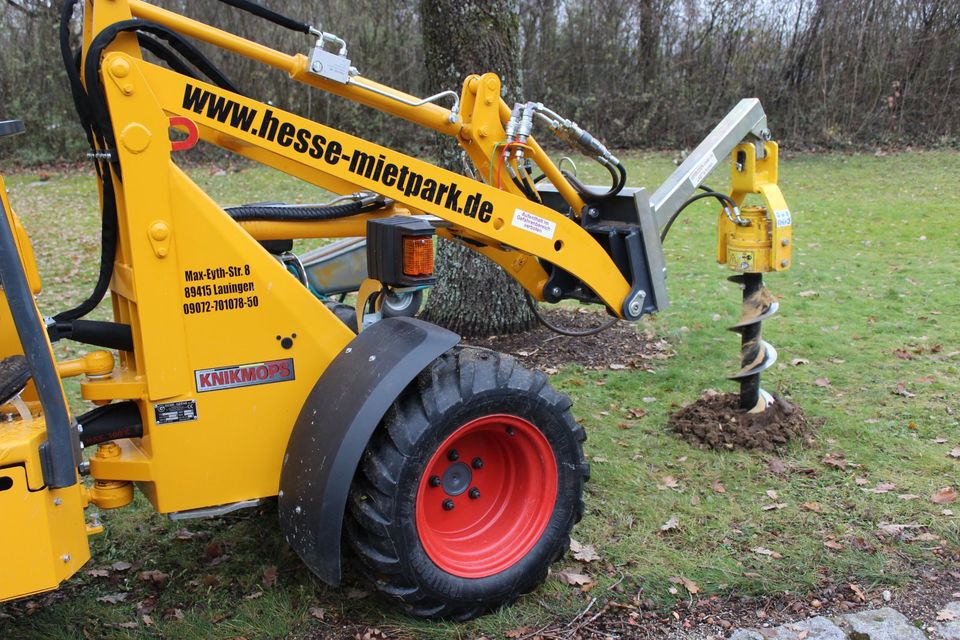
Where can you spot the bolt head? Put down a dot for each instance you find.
(556, 291)
(474, 493)
(477, 463)
(784, 263)
(65, 557)
(57, 502)
(785, 242)
(316, 67)
(448, 505)
(453, 455)
(434, 481)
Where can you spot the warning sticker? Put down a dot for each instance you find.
(170, 412)
(534, 223)
(741, 260)
(703, 169)
(783, 218)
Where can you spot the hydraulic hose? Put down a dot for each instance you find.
(564, 331)
(724, 199)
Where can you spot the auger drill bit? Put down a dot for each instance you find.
(756, 355)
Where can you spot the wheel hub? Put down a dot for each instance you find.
(456, 479)
(486, 496)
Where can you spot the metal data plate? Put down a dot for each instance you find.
(330, 65)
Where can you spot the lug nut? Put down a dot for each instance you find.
(477, 463)
(448, 505)
(453, 455)
(509, 431)
(434, 481)
(474, 493)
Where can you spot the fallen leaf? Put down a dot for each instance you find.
(183, 534)
(896, 530)
(98, 573)
(836, 361)
(773, 495)
(174, 614)
(357, 594)
(269, 577)
(692, 587)
(799, 361)
(946, 495)
(517, 633)
(649, 399)
(113, 598)
(774, 506)
(816, 507)
(954, 453)
(901, 390)
(903, 354)
(617, 367)
(668, 482)
(670, 524)
(317, 612)
(120, 565)
(908, 496)
(154, 576)
(147, 620)
(716, 486)
(882, 487)
(776, 467)
(947, 512)
(808, 294)
(927, 537)
(858, 591)
(636, 412)
(214, 550)
(583, 552)
(574, 579)
(945, 615)
(830, 544)
(766, 552)
(822, 382)
(861, 482)
(124, 625)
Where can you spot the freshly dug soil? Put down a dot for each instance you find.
(716, 421)
(622, 346)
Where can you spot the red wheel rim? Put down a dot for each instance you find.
(486, 496)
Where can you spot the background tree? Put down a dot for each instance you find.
(473, 296)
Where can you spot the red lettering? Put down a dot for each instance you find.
(284, 369)
(204, 379)
(248, 374)
(234, 376)
(274, 369)
(262, 372)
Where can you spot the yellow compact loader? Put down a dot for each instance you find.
(451, 475)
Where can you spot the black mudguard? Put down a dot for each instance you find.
(334, 426)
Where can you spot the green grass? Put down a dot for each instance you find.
(875, 238)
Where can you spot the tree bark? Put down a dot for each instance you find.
(473, 296)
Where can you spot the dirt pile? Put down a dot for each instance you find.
(715, 421)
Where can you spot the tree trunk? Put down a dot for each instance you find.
(473, 296)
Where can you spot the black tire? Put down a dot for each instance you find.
(344, 312)
(403, 304)
(457, 389)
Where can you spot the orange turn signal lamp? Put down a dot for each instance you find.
(400, 251)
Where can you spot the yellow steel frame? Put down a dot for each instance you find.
(173, 237)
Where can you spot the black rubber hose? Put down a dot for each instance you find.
(165, 54)
(564, 331)
(618, 175)
(269, 14)
(724, 199)
(288, 213)
(110, 422)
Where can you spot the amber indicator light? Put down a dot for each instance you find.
(417, 256)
